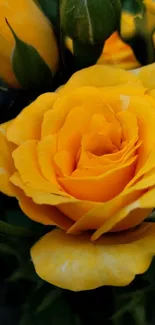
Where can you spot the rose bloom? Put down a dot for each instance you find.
(83, 159)
(32, 27)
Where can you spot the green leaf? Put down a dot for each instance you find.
(11, 230)
(28, 317)
(51, 10)
(89, 21)
(49, 299)
(29, 67)
(85, 54)
(53, 309)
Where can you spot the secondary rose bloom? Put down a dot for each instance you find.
(32, 27)
(118, 53)
(83, 159)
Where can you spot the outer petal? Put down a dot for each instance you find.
(146, 75)
(26, 162)
(99, 76)
(47, 215)
(6, 163)
(27, 125)
(75, 263)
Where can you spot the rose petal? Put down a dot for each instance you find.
(75, 263)
(95, 76)
(46, 149)
(70, 134)
(126, 218)
(27, 125)
(40, 197)
(100, 188)
(44, 214)
(118, 53)
(146, 75)
(103, 212)
(146, 120)
(75, 210)
(64, 163)
(26, 162)
(6, 162)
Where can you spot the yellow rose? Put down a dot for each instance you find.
(83, 159)
(32, 27)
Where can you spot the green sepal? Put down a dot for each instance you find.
(28, 66)
(85, 54)
(90, 21)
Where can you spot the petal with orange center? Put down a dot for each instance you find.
(6, 163)
(99, 124)
(99, 76)
(27, 125)
(98, 144)
(76, 263)
(26, 162)
(100, 188)
(102, 212)
(88, 159)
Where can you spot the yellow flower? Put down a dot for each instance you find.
(32, 27)
(82, 159)
(118, 53)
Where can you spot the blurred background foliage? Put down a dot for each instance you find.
(24, 298)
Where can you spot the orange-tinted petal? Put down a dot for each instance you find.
(27, 125)
(75, 263)
(100, 188)
(63, 163)
(75, 210)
